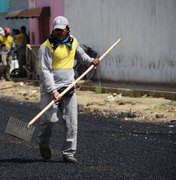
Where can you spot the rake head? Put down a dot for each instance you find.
(19, 129)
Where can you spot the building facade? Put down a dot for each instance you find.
(147, 52)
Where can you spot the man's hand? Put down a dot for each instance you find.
(56, 96)
(96, 61)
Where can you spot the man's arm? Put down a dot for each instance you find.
(80, 53)
(46, 75)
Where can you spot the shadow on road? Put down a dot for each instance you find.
(24, 161)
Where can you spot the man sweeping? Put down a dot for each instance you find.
(56, 57)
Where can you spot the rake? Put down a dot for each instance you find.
(25, 131)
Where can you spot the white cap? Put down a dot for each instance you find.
(2, 31)
(60, 22)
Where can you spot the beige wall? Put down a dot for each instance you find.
(147, 52)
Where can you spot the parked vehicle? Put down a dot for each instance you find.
(14, 68)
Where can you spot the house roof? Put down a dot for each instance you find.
(29, 13)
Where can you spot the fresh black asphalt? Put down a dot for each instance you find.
(108, 148)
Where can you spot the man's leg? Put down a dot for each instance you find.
(68, 107)
(1, 68)
(22, 62)
(4, 63)
(46, 124)
(45, 134)
(7, 67)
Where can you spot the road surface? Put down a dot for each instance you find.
(108, 149)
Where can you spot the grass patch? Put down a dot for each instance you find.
(98, 89)
(168, 106)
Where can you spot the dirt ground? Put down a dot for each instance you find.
(143, 109)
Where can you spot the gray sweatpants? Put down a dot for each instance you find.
(68, 110)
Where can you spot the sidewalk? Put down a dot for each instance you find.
(126, 89)
(131, 89)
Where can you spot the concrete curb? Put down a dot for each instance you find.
(132, 92)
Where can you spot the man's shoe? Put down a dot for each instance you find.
(69, 159)
(45, 153)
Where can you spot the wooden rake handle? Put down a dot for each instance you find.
(30, 48)
(71, 85)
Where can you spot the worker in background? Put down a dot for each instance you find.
(16, 36)
(23, 40)
(1, 66)
(7, 46)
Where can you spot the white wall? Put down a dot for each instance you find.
(147, 52)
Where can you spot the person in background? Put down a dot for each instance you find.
(13, 32)
(23, 40)
(56, 59)
(16, 37)
(1, 44)
(7, 46)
